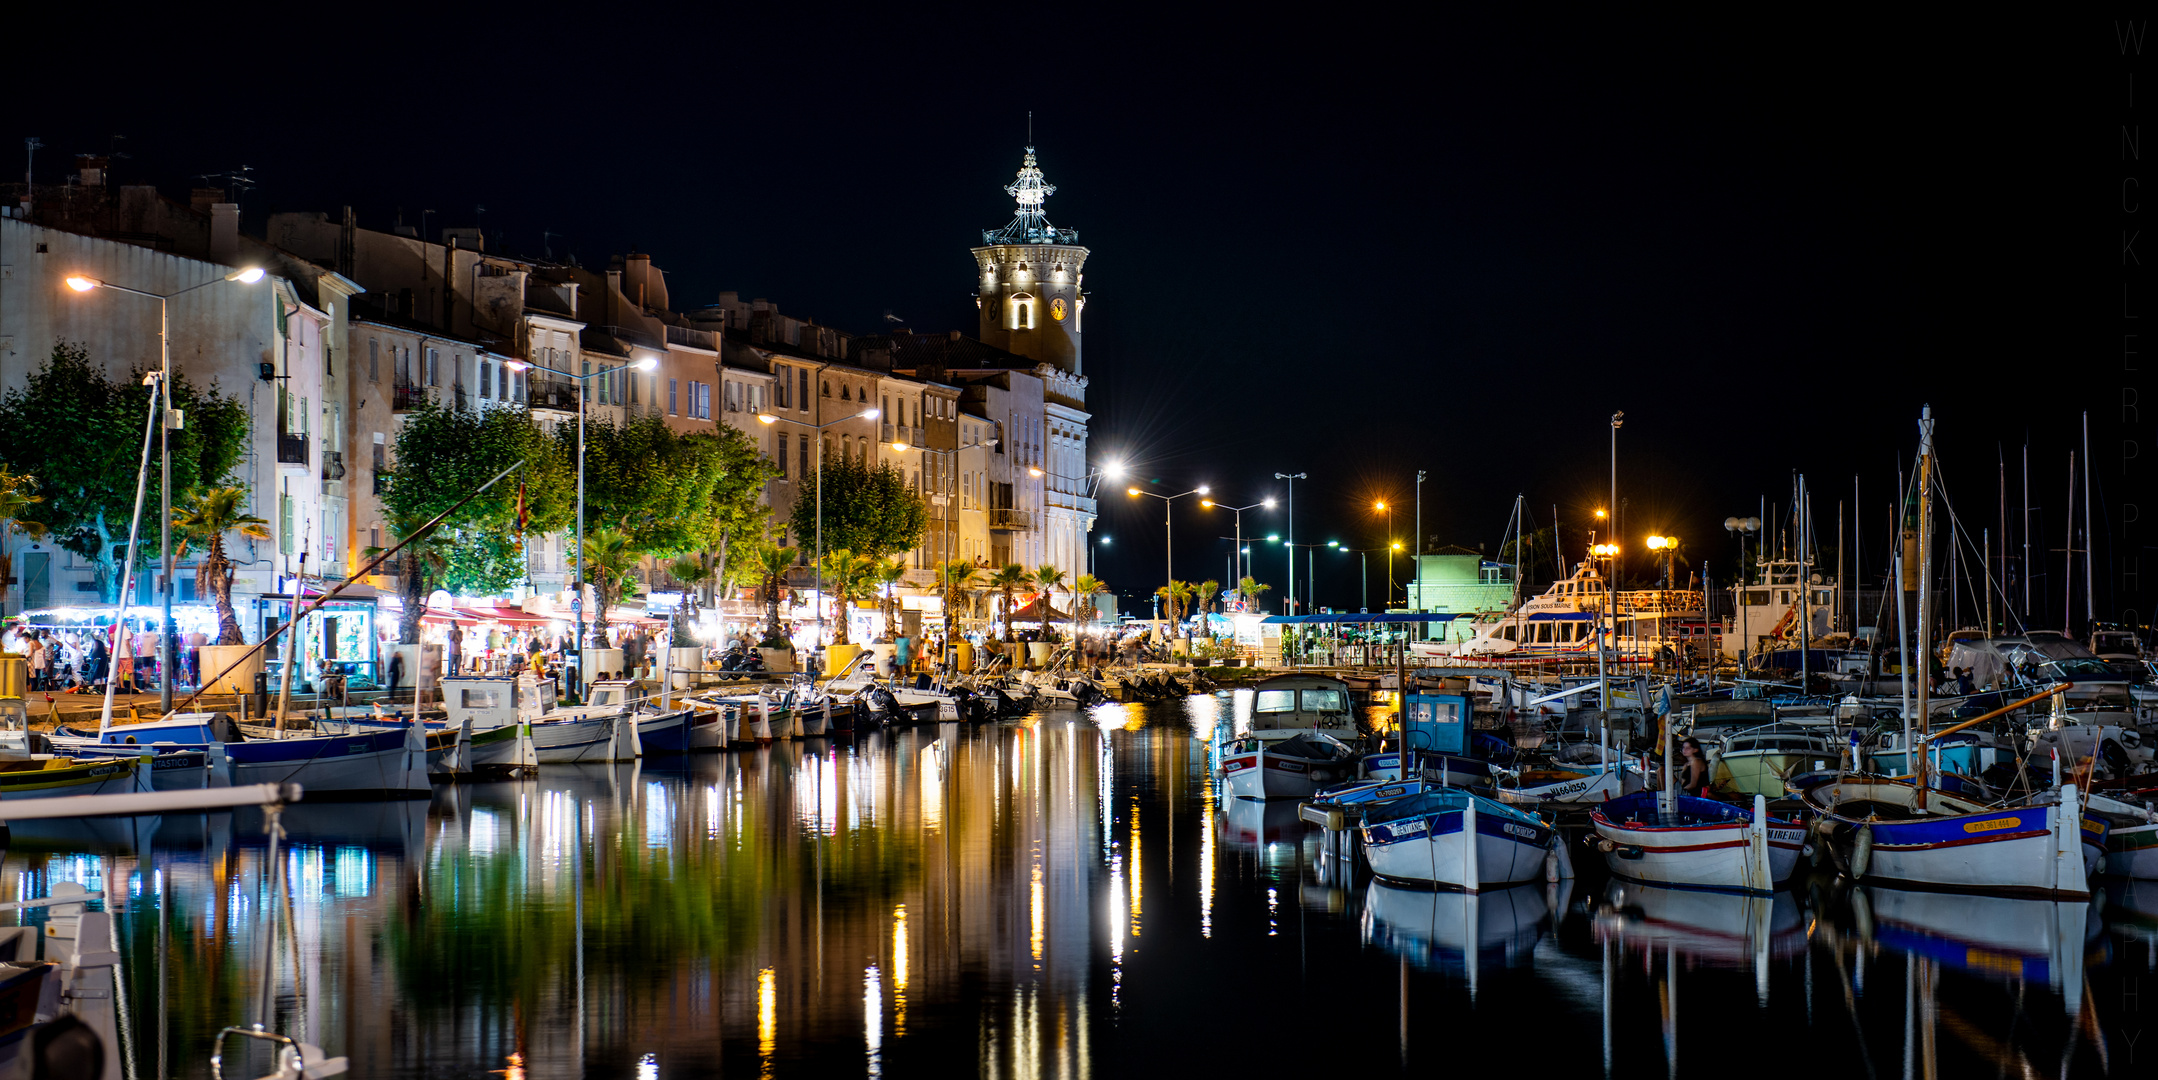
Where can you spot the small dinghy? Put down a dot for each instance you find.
(1292, 768)
(1450, 838)
(1687, 842)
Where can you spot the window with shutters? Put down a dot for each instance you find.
(487, 379)
(284, 524)
(671, 409)
(434, 367)
(802, 402)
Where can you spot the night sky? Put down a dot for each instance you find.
(1346, 247)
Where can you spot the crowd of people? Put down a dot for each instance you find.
(63, 660)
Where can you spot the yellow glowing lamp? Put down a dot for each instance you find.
(1134, 492)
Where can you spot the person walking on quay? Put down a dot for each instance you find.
(40, 657)
(451, 649)
(397, 675)
(123, 660)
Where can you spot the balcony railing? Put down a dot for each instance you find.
(1010, 520)
(407, 396)
(333, 465)
(291, 449)
(552, 395)
(682, 335)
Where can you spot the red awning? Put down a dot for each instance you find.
(513, 616)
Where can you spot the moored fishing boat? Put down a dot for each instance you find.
(1663, 838)
(1292, 768)
(1451, 838)
(1895, 833)
(1755, 761)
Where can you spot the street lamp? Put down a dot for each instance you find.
(769, 419)
(1292, 478)
(944, 570)
(1167, 527)
(83, 283)
(576, 603)
(1267, 503)
(1311, 552)
(1393, 545)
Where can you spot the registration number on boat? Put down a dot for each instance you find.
(1990, 825)
(1521, 831)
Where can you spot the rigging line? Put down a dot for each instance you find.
(1955, 529)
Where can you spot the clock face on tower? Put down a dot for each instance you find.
(1056, 309)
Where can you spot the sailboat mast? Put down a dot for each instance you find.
(2090, 549)
(1925, 582)
(1805, 594)
(2068, 552)
(2026, 533)
(2001, 457)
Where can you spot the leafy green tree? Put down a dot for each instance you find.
(18, 494)
(203, 518)
(1006, 580)
(443, 453)
(868, 509)
(670, 494)
(1176, 603)
(847, 578)
(80, 434)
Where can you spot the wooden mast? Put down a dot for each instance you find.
(1925, 582)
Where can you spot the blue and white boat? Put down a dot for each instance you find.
(391, 763)
(1888, 832)
(1452, 838)
(1677, 840)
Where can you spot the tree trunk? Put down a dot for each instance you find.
(219, 568)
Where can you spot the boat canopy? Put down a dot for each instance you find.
(1351, 617)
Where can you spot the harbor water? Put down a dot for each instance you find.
(1065, 896)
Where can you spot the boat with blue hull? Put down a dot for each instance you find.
(1888, 832)
(1451, 838)
(1661, 838)
(391, 763)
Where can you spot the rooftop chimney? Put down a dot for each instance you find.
(224, 231)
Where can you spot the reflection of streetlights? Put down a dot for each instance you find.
(1267, 503)
(865, 414)
(577, 586)
(1167, 527)
(83, 283)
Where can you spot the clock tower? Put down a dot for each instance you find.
(1029, 278)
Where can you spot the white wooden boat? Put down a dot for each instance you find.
(1292, 768)
(1451, 838)
(1890, 832)
(1697, 843)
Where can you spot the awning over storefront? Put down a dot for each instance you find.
(501, 613)
(1382, 617)
(1033, 612)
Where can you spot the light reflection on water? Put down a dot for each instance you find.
(1021, 897)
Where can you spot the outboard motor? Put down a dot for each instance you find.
(883, 707)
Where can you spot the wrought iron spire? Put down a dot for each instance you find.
(1031, 226)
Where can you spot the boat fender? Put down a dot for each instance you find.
(1862, 852)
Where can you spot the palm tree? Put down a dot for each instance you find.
(887, 575)
(1011, 576)
(690, 571)
(1050, 579)
(610, 567)
(1249, 588)
(1176, 602)
(1208, 590)
(204, 517)
(417, 570)
(1088, 586)
(772, 563)
(960, 578)
(18, 492)
(847, 578)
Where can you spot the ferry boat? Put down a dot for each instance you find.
(1561, 623)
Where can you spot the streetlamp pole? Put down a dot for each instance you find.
(1416, 553)
(865, 414)
(1168, 526)
(1292, 478)
(1267, 503)
(944, 569)
(576, 588)
(82, 284)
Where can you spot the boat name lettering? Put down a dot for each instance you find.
(1522, 831)
(1990, 824)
